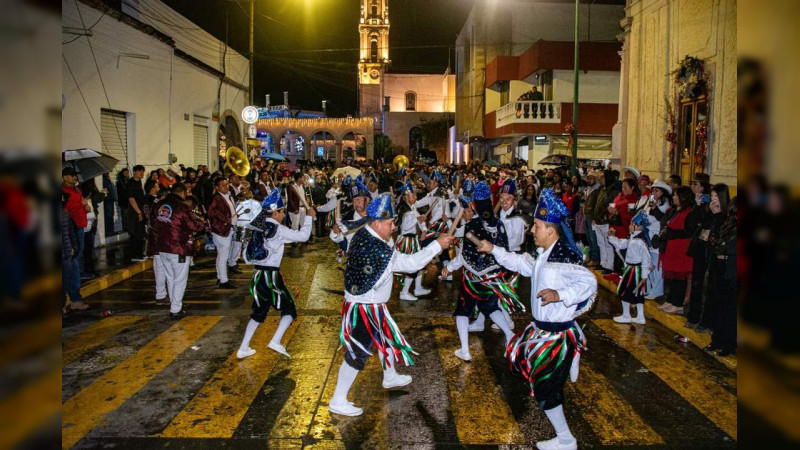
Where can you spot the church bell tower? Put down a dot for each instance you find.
(373, 30)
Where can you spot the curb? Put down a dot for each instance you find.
(117, 276)
(673, 322)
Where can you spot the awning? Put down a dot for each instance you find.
(501, 149)
(589, 147)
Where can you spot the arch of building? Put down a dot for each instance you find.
(307, 128)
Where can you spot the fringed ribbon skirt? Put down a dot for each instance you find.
(628, 282)
(369, 325)
(269, 290)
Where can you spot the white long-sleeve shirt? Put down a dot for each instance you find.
(338, 237)
(400, 262)
(637, 253)
(283, 236)
(515, 229)
(573, 283)
(436, 203)
(409, 224)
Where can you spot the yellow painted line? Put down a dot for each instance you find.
(117, 276)
(42, 285)
(612, 419)
(29, 409)
(689, 381)
(671, 321)
(326, 276)
(217, 409)
(480, 411)
(761, 391)
(94, 335)
(86, 409)
(31, 338)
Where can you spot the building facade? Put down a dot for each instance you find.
(397, 102)
(162, 89)
(506, 48)
(679, 88)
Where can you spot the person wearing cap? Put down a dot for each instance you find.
(643, 183)
(410, 221)
(548, 350)
(170, 177)
(366, 323)
(638, 264)
(265, 252)
(355, 210)
(174, 224)
(656, 209)
(485, 285)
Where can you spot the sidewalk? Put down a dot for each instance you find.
(112, 267)
(673, 322)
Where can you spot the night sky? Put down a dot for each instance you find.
(286, 31)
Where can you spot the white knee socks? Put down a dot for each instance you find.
(283, 325)
(462, 324)
(626, 310)
(498, 318)
(507, 317)
(248, 335)
(407, 284)
(347, 375)
(559, 422)
(640, 311)
(391, 370)
(418, 281)
(479, 322)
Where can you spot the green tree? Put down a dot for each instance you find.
(381, 145)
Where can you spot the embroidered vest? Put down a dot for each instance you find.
(367, 259)
(481, 263)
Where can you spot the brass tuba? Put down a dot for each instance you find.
(400, 161)
(236, 160)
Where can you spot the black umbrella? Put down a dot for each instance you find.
(87, 162)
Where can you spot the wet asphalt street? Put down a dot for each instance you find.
(139, 380)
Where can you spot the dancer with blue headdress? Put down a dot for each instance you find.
(366, 322)
(632, 285)
(410, 222)
(547, 351)
(265, 252)
(350, 212)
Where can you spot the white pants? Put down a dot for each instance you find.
(298, 219)
(236, 250)
(655, 283)
(606, 251)
(177, 275)
(223, 245)
(161, 277)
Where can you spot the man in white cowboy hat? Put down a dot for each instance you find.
(366, 323)
(265, 251)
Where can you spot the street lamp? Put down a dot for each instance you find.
(574, 168)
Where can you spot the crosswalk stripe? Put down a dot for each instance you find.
(94, 335)
(27, 410)
(326, 278)
(228, 394)
(86, 409)
(763, 393)
(32, 338)
(481, 414)
(688, 381)
(612, 419)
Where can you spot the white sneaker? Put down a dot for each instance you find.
(280, 349)
(475, 327)
(344, 409)
(622, 319)
(396, 381)
(462, 355)
(244, 354)
(555, 444)
(408, 297)
(637, 320)
(447, 278)
(575, 367)
(421, 292)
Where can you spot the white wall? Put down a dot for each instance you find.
(595, 86)
(428, 88)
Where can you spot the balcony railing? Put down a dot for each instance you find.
(528, 112)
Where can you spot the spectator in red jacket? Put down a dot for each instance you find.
(623, 206)
(175, 224)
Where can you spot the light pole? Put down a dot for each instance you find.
(574, 167)
(252, 23)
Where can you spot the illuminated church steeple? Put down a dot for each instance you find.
(373, 30)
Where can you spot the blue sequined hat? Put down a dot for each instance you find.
(552, 210)
(482, 191)
(273, 201)
(407, 187)
(509, 187)
(346, 182)
(401, 172)
(381, 208)
(358, 189)
(468, 187)
(466, 202)
(640, 219)
(373, 177)
(437, 176)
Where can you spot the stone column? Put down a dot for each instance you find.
(619, 133)
(308, 151)
(338, 149)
